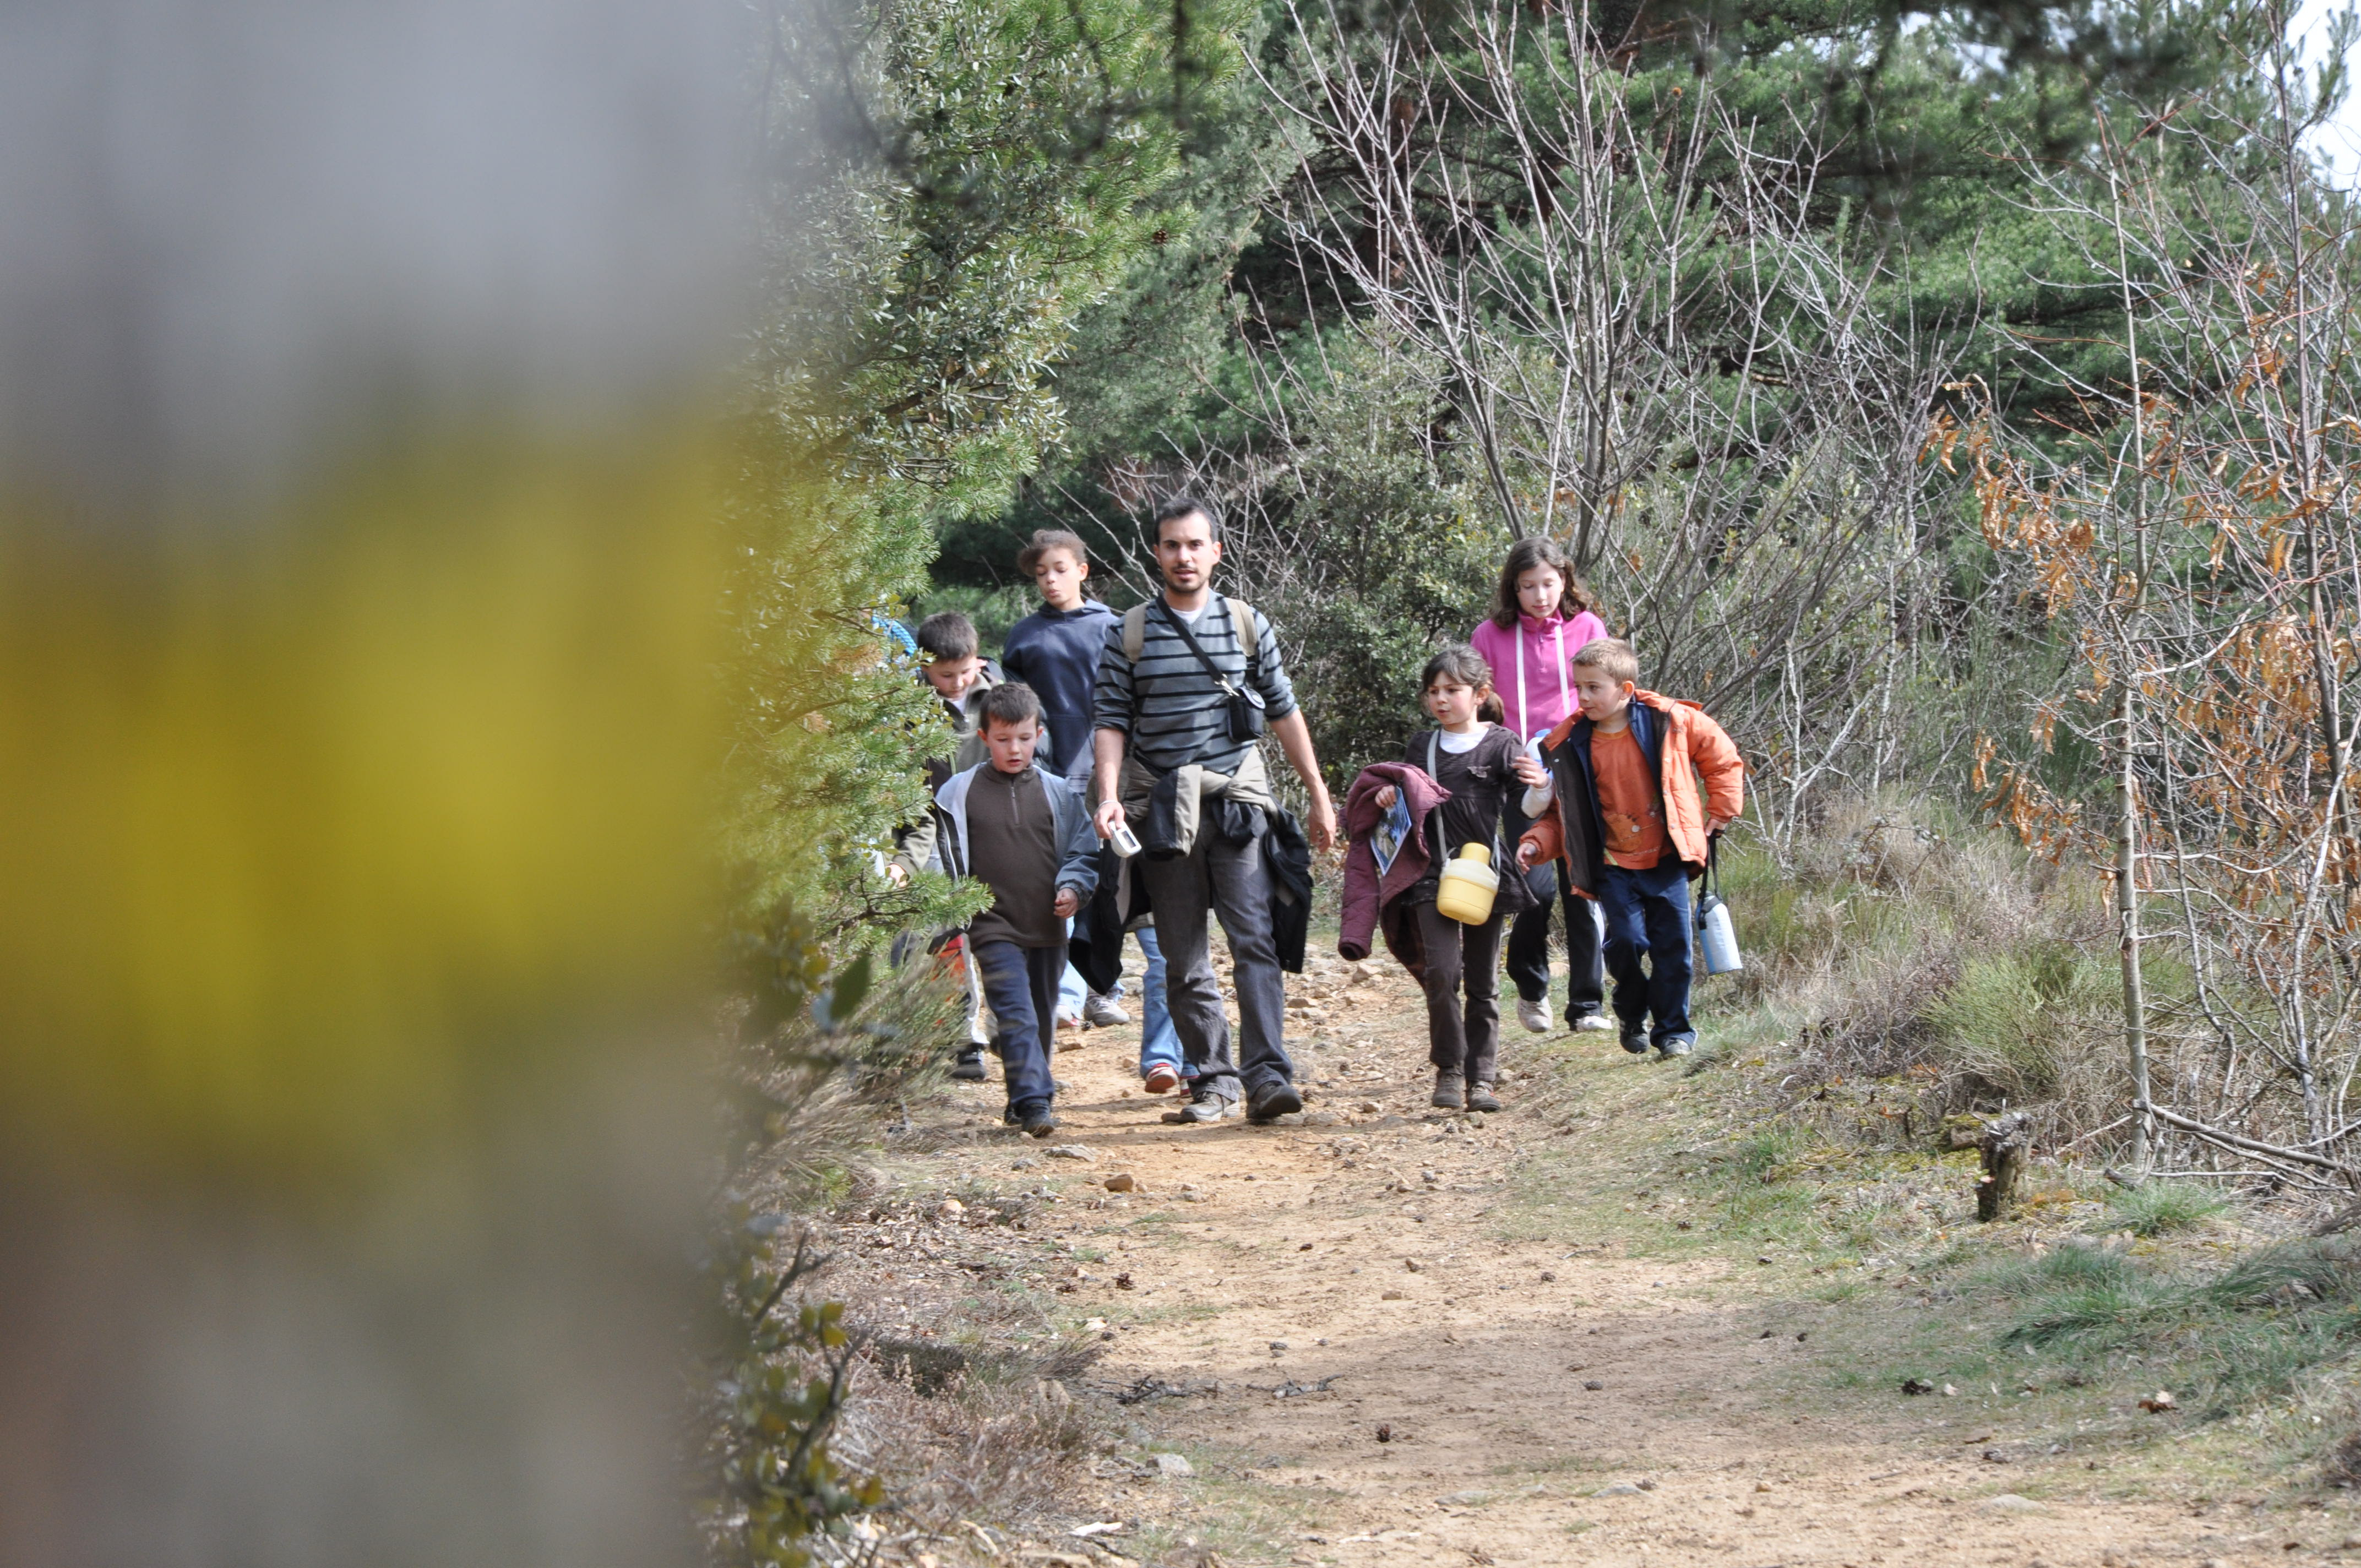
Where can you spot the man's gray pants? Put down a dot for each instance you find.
(1229, 880)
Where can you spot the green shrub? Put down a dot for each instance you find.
(2018, 1016)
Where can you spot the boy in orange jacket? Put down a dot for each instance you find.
(1616, 796)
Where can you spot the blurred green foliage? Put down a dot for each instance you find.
(952, 184)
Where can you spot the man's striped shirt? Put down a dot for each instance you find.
(1173, 711)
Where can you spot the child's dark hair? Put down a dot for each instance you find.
(1011, 702)
(1538, 550)
(1466, 666)
(1028, 560)
(948, 635)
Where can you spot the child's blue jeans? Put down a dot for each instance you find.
(1020, 985)
(1159, 1041)
(1648, 915)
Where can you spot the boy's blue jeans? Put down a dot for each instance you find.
(1020, 985)
(1648, 915)
(1159, 1041)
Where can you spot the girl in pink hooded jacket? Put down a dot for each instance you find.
(1541, 616)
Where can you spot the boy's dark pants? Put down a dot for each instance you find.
(1529, 936)
(1021, 986)
(1468, 1042)
(1648, 913)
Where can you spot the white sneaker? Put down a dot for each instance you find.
(1101, 1013)
(1592, 1023)
(1534, 1015)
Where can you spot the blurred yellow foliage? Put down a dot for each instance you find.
(316, 829)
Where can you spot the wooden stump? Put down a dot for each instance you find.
(2005, 1146)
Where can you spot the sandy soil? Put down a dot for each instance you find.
(1369, 1369)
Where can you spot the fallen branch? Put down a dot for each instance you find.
(2243, 1143)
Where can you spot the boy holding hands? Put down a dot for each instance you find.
(1616, 798)
(1025, 833)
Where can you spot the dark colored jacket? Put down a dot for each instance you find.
(1684, 747)
(1120, 904)
(1287, 859)
(1374, 903)
(1056, 653)
(1477, 812)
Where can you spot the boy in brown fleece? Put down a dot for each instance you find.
(1024, 832)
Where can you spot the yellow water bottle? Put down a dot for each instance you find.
(1468, 886)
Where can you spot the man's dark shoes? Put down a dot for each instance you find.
(1636, 1041)
(1448, 1094)
(1204, 1106)
(1038, 1123)
(1481, 1098)
(1279, 1100)
(969, 1069)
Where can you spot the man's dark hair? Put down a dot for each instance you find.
(950, 635)
(1011, 702)
(1178, 507)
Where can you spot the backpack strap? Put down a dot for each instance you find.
(1242, 623)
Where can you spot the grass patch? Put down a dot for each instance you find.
(2161, 1208)
(2222, 1340)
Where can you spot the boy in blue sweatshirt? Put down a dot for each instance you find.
(1056, 649)
(1025, 833)
(1056, 652)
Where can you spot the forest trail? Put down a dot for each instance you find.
(1469, 1287)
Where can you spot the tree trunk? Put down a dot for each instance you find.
(2006, 1145)
(2127, 911)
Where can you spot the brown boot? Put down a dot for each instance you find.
(1447, 1095)
(1481, 1098)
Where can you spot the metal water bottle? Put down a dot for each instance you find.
(1717, 937)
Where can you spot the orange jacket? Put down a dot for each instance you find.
(1694, 748)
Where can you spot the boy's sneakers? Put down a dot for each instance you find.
(1481, 1098)
(1534, 1015)
(1038, 1123)
(1636, 1041)
(1675, 1046)
(1164, 1077)
(1448, 1094)
(1204, 1106)
(969, 1069)
(1590, 1023)
(1279, 1100)
(1101, 1013)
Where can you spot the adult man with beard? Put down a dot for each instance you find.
(1185, 682)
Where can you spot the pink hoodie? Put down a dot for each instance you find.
(1546, 695)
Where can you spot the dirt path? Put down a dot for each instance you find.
(1398, 1335)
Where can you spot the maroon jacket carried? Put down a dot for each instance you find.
(1372, 902)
